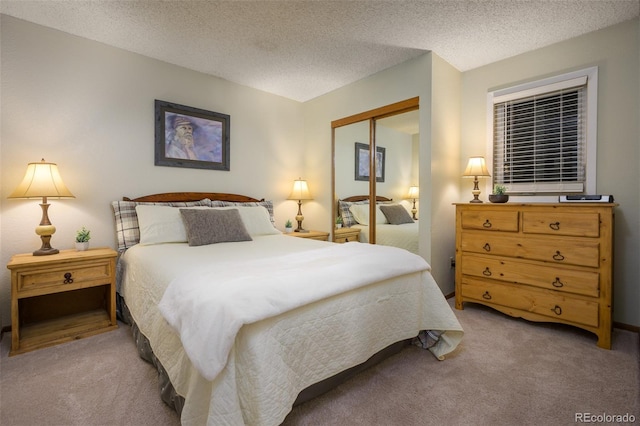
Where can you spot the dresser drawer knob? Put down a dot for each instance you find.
(68, 279)
(487, 247)
(486, 295)
(486, 272)
(487, 224)
(558, 256)
(557, 310)
(555, 226)
(557, 283)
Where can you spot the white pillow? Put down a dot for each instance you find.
(360, 213)
(255, 218)
(161, 224)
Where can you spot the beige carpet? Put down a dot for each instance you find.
(506, 372)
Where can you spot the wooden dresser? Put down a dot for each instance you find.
(541, 262)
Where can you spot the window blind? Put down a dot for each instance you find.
(540, 138)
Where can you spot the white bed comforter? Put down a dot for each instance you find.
(404, 236)
(272, 360)
(230, 299)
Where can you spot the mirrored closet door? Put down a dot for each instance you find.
(375, 163)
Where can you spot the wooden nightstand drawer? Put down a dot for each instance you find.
(71, 276)
(345, 235)
(490, 220)
(531, 273)
(545, 303)
(569, 224)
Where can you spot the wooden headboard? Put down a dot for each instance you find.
(354, 198)
(191, 196)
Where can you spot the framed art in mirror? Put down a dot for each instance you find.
(362, 162)
(191, 137)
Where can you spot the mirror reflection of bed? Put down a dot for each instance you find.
(401, 231)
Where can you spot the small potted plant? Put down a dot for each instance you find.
(83, 236)
(499, 194)
(288, 226)
(338, 222)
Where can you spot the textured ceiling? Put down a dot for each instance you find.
(303, 49)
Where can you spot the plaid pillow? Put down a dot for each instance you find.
(347, 217)
(268, 204)
(127, 227)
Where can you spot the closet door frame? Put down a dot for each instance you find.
(371, 115)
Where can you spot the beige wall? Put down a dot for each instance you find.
(614, 51)
(90, 108)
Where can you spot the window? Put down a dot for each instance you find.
(544, 133)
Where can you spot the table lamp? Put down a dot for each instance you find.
(42, 180)
(414, 192)
(476, 168)
(300, 192)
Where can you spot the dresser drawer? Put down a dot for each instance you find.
(490, 220)
(71, 275)
(548, 304)
(516, 271)
(557, 223)
(567, 251)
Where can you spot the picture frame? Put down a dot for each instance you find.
(191, 137)
(362, 162)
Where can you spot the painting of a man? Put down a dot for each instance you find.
(193, 138)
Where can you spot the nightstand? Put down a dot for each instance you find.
(313, 235)
(344, 235)
(61, 297)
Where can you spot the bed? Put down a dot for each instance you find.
(402, 233)
(292, 316)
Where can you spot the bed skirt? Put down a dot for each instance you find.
(175, 401)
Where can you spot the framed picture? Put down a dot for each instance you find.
(191, 137)
(362, 162)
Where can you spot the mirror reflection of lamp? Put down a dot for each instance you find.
(42, 180)
(300, 192)
(414, 193)
(476, 168)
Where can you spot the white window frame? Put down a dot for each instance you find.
(543, 86)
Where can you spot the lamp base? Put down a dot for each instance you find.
(46, 251)
(46, 248)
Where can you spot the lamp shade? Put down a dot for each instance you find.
(476, 167)
(300, 190)
(42, 180)
(414, 192)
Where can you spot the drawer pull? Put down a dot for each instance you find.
(557, 283)
(487, 247)
(68, 279)
(487, 224)
(486, 295)
(558, 256)
(555, 226)
(557, 310)
(486, 272)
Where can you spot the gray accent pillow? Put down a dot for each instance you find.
(396, 214)
(213, 226)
